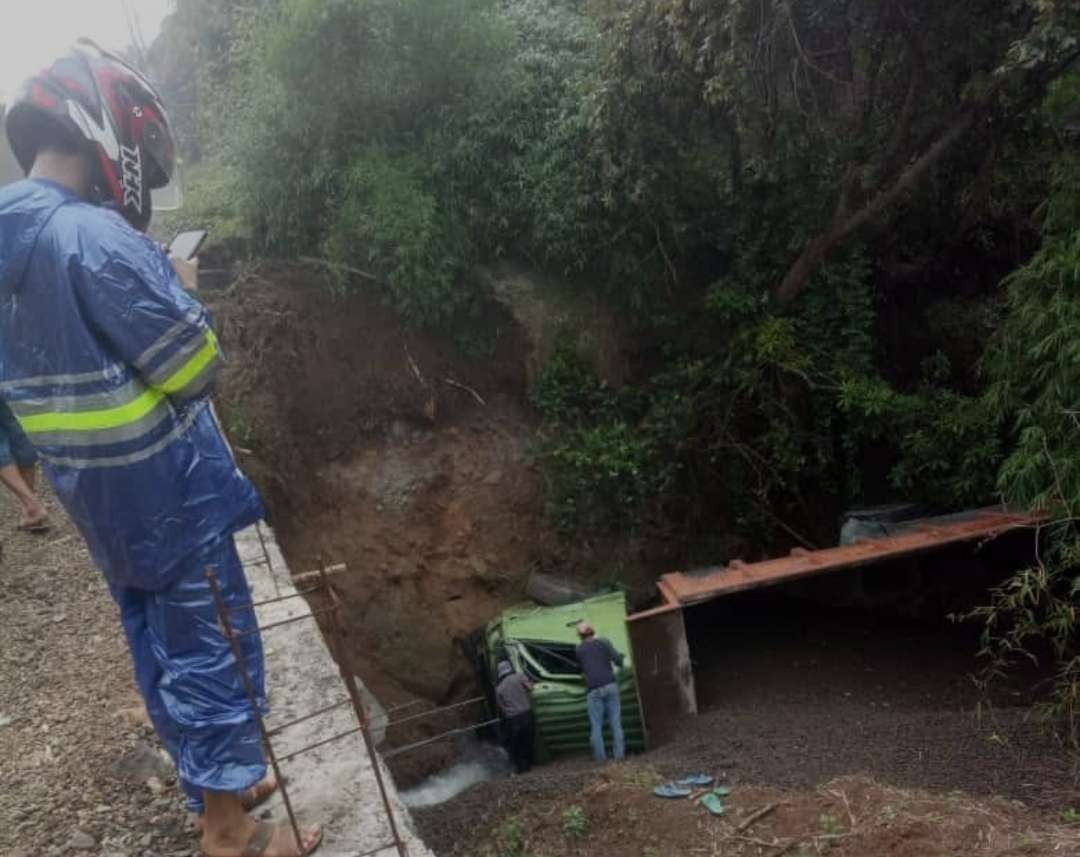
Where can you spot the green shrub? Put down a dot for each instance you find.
(575, 823)
(1035, 365)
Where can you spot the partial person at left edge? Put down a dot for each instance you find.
(108, 365)
(18, 469)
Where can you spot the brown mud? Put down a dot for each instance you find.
(611, 811)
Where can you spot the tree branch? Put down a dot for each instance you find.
(818, 248)
(902, 131)
(845, 224)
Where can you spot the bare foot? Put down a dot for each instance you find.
(34, 523)
(262, 840)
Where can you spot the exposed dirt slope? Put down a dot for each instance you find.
(382, 448)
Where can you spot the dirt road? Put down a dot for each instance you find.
(80, 770)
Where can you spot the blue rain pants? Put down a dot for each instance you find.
(188, 677)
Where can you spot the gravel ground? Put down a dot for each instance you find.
(80, 766)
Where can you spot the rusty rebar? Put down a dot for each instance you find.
(277, 600)
(241, 665)
(314, 614)
(277, 730)
(397, 751)
(444, 708)
(319, 744)
(337, 650)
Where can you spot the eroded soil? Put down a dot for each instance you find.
(611, 811)
(382, 448)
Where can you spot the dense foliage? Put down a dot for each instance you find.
(804, 209)
(1036, 371)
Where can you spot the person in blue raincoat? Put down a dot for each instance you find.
(108, 364)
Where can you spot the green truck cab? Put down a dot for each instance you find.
(540, 642)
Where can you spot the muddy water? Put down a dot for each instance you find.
(477, 763)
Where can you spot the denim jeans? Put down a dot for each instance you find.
(604, 702)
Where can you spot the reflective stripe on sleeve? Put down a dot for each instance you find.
(105, 437)
(114, 398)
(194, 375)
(166, 339)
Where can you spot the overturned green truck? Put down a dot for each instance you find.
(540, 642)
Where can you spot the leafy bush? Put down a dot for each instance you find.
(409, 138)
(1036, 369)
(772, 429)
(575, 822)
(389, 221)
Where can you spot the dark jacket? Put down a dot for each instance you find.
(596, 655)
(512, 694)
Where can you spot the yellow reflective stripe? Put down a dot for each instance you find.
(109, 418)
(190, 370)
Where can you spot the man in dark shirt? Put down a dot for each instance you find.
(596, 656)
(519, 730)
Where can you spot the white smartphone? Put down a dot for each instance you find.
(186, 244)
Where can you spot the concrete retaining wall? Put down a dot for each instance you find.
(334, 785)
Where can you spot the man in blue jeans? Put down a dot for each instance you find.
(597, 657)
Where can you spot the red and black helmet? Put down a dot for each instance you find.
(90, 96)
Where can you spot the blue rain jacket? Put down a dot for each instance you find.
(107, 364)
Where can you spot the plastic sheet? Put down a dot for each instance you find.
(107, 364)
(188, 676)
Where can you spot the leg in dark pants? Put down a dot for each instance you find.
(520, 740)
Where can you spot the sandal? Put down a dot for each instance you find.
(264, 834)
(38, 528)
(696, 781)
(672, 790)
(712, 803)
(250, 799)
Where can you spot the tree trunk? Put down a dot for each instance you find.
(847, 223)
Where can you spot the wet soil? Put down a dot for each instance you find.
(611, 812)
